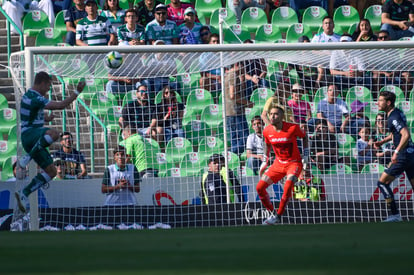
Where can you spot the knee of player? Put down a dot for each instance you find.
(51, 171)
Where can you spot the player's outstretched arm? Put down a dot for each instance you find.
(266, 152)
(59, 105)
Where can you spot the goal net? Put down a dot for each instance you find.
(174, 108)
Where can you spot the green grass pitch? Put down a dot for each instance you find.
(358, 248)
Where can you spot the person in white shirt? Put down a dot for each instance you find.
(254, 145)
(328, 34)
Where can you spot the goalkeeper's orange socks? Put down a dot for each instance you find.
(287, 193)
(263, 195)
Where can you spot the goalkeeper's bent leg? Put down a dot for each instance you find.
(389, 197)
(38, 181)
(287, 193)
(263, 195)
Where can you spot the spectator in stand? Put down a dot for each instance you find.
(324, 146)
(210, 79)
(365, 147)
(236, 102)
(142, 114)
(298, 5)
(120, 180)
(74, 163)
(114, 13)
(190, 30)
(357, 119)
(398, 18)
(204, 35)
(176, 11)
(60, 169)
(132, 33)
(309, 187)
(364, 32)
(238, 6)
(170, 113)
(161, 28)
(300, 108)
(146, 11)
(94, 30)
(328, 34)
(72, 16)
(254, 145)
(274, 101)
(385, 151)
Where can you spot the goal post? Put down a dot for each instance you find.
(175, 196)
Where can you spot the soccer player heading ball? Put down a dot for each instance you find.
(282, 137)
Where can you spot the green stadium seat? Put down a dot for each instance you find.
(163, 164)
(176, 149)
(260, 96)
(313, 16)
(7, 120)
(344, 17)
(373, 14)
(232, 160)
(34, 21)
(297, 30)
(188, 82)
(408, 108)
(3, 102)
(236, 34)
(209, 146)
(158, 97)
(7, 149)
(152, 149)
(320, 94)
(405, 39)
(352, 28)
(76, 65)
(276, 67)
(396, 90)
(197, 100)
(267, 33)
(252, 18)
(252, 112)
(372, 168)
(228, 15)
(112, 119)
(49, 37)
(346, 144)
(283, 17)
(101, 102)
(213, 115)
(360, 93)
(371, 110)
(129, 97)
(7, 168)
(124, 4)
(192, 165)
(12, 134)
(339, 169)
(60, 22)
(244, 171)
(136, 2)
(196, 130)
(93, 85)
(174, 172)
(206, 7)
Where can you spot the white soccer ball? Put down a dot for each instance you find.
(113, 60)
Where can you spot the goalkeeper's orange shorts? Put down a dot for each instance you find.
(279, 170)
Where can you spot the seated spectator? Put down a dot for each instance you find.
(204, 35)
(254, 145)
(94, 30)
(142, 114)
(190, 30)
(324, 146)
(353, 123)
(309, 187)
(364, 32)
(114, 13)
(73, 162)
(214, 182)
(304, 39)
(146, 11)
(238, 6)
(398, 18)
(120, 180)
(365, 147)
(131, 33)
(300, 108)
(170, 113)
(298, 5)
(161, 28)
(383, 153)
(176, 11)
(347, 68)
(328, 34)
(210, 80)
(332, 109)
(72, 16)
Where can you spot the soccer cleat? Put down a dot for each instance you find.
(272, 220)
(393, 218)
(24, 161)
(22, 201)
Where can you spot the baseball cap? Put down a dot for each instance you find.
(160, 7)
(216, 157)
(297, 86)
(357, 106)
(189, 10)
(346, 38)
(89, 2)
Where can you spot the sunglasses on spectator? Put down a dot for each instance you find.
(161, 13)
(383, 37)
(204, 33)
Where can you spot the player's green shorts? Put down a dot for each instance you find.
(29, 139)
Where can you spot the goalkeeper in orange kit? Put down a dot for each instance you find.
(288, 163)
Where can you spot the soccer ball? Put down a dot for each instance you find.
(113, 60)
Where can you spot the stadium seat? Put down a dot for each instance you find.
(7, 149)
(75, 65)
(373, 14)
(124, 4)
(371, 110)
(405, 39)
(252, 18)
(176, 149)
(7, 120)
(260, 96)
(163, 164)
(49, 37)
(297, 30)
(93, 85)
(407, 107)
(196, 130)
(396, 90)
(112, 119)
(34, 21)
(129, 97)
(197, 100)
(229, 18)
(212, 114)
(101, 102)
(283, 17)
(12, 134)
(3, 102)
(352, 28)
(188, 82)
(267, 33)
(152, 148)
(313, 16)
(340, 169)
(60, 22)
(252, 112)
(372, 168)
(344, 17)
(236, 34)
(232, 160)
(7, 168)
(346, 144)
(276, 67)
(174, 172)
(360, 93)
(158, 97)
(192, 165)
(244, 171)
(209, 146)
(320, 94)
(206, 7)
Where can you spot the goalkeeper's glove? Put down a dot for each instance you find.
(305, 158)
